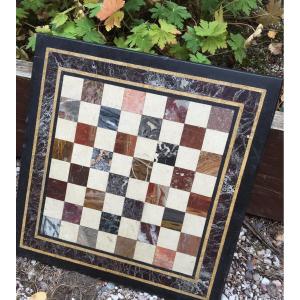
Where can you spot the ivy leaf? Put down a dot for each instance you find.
(179, 52)
(33, 5)
(192, 40)
(140, 38)
(134, 5)
(237, 44)
(114, 20)
(172, 12)
(68, 30)
(199, 58)
(59, 20)
(272, 15)
(31, 42)
(94, 8)
(242, 6)
(21, 14)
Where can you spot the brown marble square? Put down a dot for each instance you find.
(198, 205)
(56, 189)
(141, 169)
(92, 91)
(72, 213)
(209, 163)
(176, 110)
(125, 143)
(157, 194)
(148, 233)
(164, 258)
(182, 179)
(133, 101)
(192, 136)
(87, 237)
(220, 119)
(125, 247)
(62, 150)
(78, 174)
(172, 219)
(85, 134)
(188, 244)
(94, 199)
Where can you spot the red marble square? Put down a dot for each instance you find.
(62, 150)
(198, 205)
(157, 194)
(164, 258)
(125, 143)
(85, 134)
(125, 247)
(176, 110)
(56, 189)
(209, 163)
(182, 179)
(78, 174)
(220, 118)
(133, 101)
(72, 213)
(192, 136)
(188, 244)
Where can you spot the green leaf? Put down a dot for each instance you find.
(140, 38)
(93, 37)
(33, 5)
(209, 6)
(134, 5)
(192, 40)
(84, 25)
(171, 12)
(59, 20)
(242, 6)
(31, 42)
(120, 42)
(68, 30)
(199, 58)
(43, 29)
(94, 8)
(179, 52)
(21, 14)
(237, 43)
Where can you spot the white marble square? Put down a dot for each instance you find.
(97, 180)
(129, 228)
(168, 238)
(113, 204)
(187, 158)
(105, 139)
(59, 169)
(184, 263)
(161, 174)
(154, 105)
(121, 164)
(75, 194)
(152, 214)
(106, 241)
(137, 189)
(198, 114)
(112, 96)
(204, 184)
(68, 231)
(171, 132)
(193, 225)
(129, 123)
(90, 218)
(145, 148)
(88, 113)
(72, 87)
(144, 252)
(177, 199)
(53, 208)
(214, 141)
(82, 155)
(65, 130)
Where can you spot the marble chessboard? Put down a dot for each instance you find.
(132, 175)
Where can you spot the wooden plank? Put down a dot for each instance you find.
(267, 194)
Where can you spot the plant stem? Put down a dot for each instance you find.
(243, 24)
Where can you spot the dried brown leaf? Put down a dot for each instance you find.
(272, 34)
(39, 296)
(272, 14)
(275, 48)
(109, 7)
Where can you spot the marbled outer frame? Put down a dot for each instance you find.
(258, 98)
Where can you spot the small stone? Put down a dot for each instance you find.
(33, 262)
(110, 286)
(256, 277)
(268, 253)
(265, 281)
(268, 261)
(120, 296)
(248, 275)
(224, 297)
(277, 283)
(261, 253)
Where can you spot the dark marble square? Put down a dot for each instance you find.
(220, 118)
(188, 244)
(148, 233)
(78, 174)
(209, 163)
(198, 205)
(117, 184)
(87, 237)
(176, 110)
(182, 179)
(125, 143)
(68, 109)
(92, 91)
(192, 136)
(94, 199)
(157, 194)
(101, 159)
(109, 118)
(166, 153)
(125, 247)
(50, 226)
(109, 223)
(56, 189)
(85, 134)
(141, 169)
(62, 150)
(72, 213)
(150, 127)
(172, 219)
(133, 209)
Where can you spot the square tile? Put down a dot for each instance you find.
(129, 123)
(198, 205)
(117, 184)
(72, 213)
(53, 208)
(133, 101)
(187, 158)
(193, 225)
(75, 194)
(79, 175)
(188, 244)
(154, 105)
(85, 134)
(168, 238)
(105, 139)
(94, 199)
(164, 258)
(109, 223)
(65, 130)
(182, 179)
(150, 127)
(172, 219)
(97, 180)
(125, 144)
(141, 169)
(68, 231)
(148, 233)
(177, 199)
(112, 96)
(121, 164)
(59, 169)
(152, 214)
(184, 263)
(133, 209)
(220, 119)
(92, 91)
(72, 87)
(161, 174)
(109, 118)
(137, 189)
(209, 163)
(106, 242)
(62, 150)
(101, 159)
(87, 237)
(157, 194)
(192, 136)
(113, 204)
(82, 155)
(90, 218)
(214, 141)
(50, 226)
(89, 113)
(171, 132)
(204, 184)
(68, 109)
(125, 247)
(129, 228)
(145, 148)
(144, 252)
(198, 114)
(176, 110)
(56, 189)
(166, 153)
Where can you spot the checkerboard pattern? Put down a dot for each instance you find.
(133, 173)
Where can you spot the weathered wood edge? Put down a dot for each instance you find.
(24, 69)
